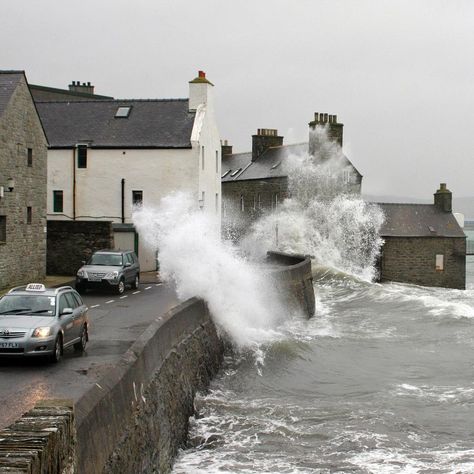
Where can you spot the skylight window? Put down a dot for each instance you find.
(123, 111)
(276, 165)
(236, 172)
(225, 174)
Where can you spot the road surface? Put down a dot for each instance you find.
(115, 323)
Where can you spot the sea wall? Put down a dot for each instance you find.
(137, 417)
(292, 274)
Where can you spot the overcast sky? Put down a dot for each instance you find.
(399, 74)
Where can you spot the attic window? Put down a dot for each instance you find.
(225, 174)
(123, 111)
(432, 229)
(236, 172)
(276, 165)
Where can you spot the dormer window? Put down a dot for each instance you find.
(123, 111)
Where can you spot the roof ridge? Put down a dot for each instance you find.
(109, 101)
(403, 203)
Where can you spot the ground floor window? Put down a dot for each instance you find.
(439, 263)
(57, 201)
(3, 229)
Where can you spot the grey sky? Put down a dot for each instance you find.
(399, 74)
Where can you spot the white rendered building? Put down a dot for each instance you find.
(106, 155)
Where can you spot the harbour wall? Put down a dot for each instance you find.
(135, 418)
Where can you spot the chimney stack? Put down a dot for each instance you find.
(226, 149)
(200, 90)
(330, 121)
(83, 88)
(265, 138)
(443, 198)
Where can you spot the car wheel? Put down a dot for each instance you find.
(136, 281)
(120, 287)
(58, 350)
(81, 345)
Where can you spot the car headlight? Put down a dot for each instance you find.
(82, 273)
(112, 275)
(42, 332)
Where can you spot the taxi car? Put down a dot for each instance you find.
(40, 321)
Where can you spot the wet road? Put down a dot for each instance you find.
(115, 323)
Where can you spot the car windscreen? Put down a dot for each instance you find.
(107, 259)
(28, 305)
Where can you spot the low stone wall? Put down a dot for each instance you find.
(71, 242)
(136, 418)
(293, 276)
(41, 441)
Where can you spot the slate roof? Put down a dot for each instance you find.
(9, 80)
(161, 123)
(267, 165)
(418, 220)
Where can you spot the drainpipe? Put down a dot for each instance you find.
(74, 183)
(123, 200)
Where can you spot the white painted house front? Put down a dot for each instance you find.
(106, 155)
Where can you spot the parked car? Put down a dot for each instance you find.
(113, 269)
(40, 321)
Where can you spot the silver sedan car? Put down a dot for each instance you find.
(39, 321)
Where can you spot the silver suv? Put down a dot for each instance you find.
(39, 321)
(109, 269)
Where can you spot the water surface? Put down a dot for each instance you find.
(380, 381)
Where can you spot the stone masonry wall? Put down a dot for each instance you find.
(412, 260)
(250, 189)
(136, 418)
(23, 254)
(71, 242)
(294, 279)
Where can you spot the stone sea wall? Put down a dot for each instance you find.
(293, 276)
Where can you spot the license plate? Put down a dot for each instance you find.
(94, 278)
(9, 345)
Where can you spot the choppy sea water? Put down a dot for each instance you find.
(380, 381)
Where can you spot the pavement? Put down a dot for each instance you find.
(53, 281)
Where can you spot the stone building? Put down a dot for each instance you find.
(256, 182)
(424, 244)
(105, 156)
(23, 150)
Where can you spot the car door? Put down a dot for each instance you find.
(66, 320)
(77, 314)
(81, 312)
(129, 271)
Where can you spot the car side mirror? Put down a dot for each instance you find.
(66, 311)
(128, 264)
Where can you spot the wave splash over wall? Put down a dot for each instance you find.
(322, 218)
(240, 297)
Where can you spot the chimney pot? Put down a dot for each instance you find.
(202, 74)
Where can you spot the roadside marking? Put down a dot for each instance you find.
(122, 297)
(95, 306)
(110, 301)
(135, 292)
(158, 284)
(148, 287)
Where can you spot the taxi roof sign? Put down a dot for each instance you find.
(35, 287)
